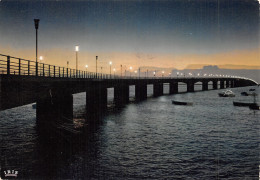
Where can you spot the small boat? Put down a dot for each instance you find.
(182, 103)
(242, 103)
(251, 89)
(227, 93)
(244, 94)
(254, 107)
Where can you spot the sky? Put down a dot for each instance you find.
(137, 33)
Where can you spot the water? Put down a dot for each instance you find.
(152, 139)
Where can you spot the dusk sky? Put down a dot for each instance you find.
(134, 33)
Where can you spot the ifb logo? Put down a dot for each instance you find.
(11, 173)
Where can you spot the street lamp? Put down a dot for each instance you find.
(77, 50)
(162, 73)
(86, 67)
(114, 72)
(121, 70)
(110, 63)
(177, 74)
(130, 70)
(96, 64)
(36, 25)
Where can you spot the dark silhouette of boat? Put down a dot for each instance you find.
(251, 89)
(244, 93)
(182, 103)
(254, 107)
(242, 103)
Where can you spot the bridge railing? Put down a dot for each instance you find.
(17, 66)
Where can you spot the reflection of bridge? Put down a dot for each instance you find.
(53, 87)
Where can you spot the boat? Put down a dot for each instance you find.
(254, 107)
(244, 94)
(251, 89)
(182, 103)
(227, 93)
(242, 103)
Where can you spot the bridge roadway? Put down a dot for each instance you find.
(53, 95)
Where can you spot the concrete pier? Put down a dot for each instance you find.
(157, 89)
(121, 94)
(222, 85)
(190, 86)
(205, 86)
(140, 91)
(174, 88)
(227, 84)
(215, 84)
(96, 101)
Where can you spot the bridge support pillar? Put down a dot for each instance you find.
(140, 91)
(121, 94)
(157, 89)
(227, 84)
(215, 84)
(190, 87)
(205, 86)
(174, 88)
(222, 86)
(96, 101)
(232, 84)
(54, 108)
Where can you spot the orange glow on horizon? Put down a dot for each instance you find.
(135, 60)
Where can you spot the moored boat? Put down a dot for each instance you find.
(182, 103)
(242, 103)
(254, 107)
(244, 93)
(227, 93)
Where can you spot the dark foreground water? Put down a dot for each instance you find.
(152, 139)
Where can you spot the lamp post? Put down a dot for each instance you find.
(110, 63)
(177, 74)
(77, 50)
(86, 67)
(96, 64)
(162, 73)
(114, 72)
(121, 70)
(130, 70)
(36, 24)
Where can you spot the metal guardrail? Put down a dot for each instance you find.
(17, 66)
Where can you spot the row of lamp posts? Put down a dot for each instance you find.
(36, 24)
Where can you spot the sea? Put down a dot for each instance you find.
(151, 139)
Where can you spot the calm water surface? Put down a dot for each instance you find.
(152, 139)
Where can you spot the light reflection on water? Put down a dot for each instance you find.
(151, 139)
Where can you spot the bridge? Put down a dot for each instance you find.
(51, 87)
